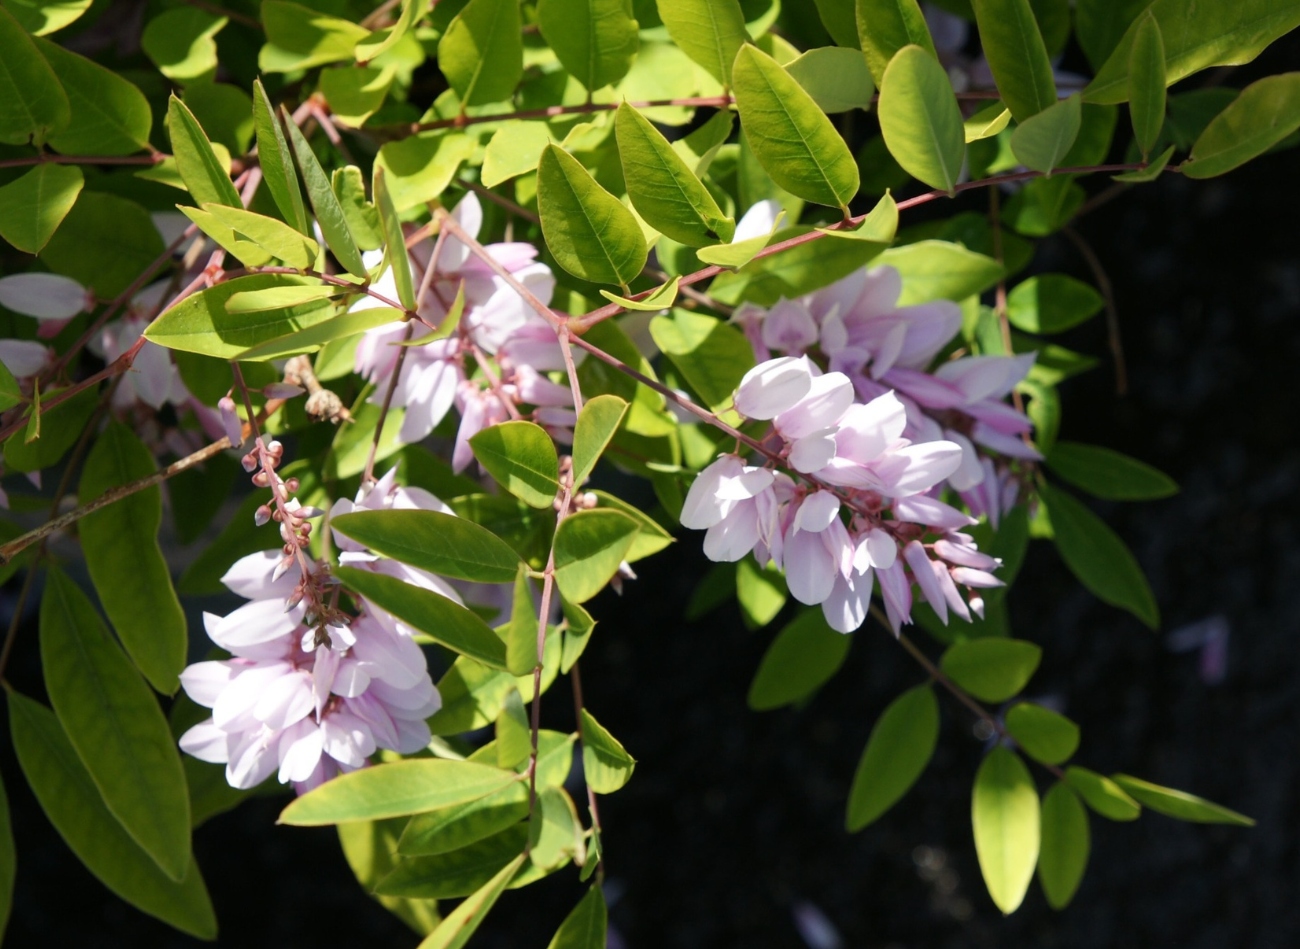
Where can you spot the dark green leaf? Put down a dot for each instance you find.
(1045, 138)
(1005, 816)
(1102, 794)
(1266, 112)
(898, 750)
(433, 541)
(276, 162)
(1017, 55)
(1044, 205)
(589, 546)
(886, 26)
(329, 213)
(585, 927)
(63, 426)
(394, 241)
(920, 119)
(1105, 473)
(588, 230)
(708, 31)
(605, 763)
(992, 670)
(802, 657)
(482, 53)
(1042, 734)
(1180, 804)
(8, 861)
(1146, 82)
(1052, 303)
(521, 457)
(41, 17)
(110, 116)
(370, 848)
(205, 179)
(455, 873)
(34, 205)
(33, 105)
(1065, 845)
(459, 825)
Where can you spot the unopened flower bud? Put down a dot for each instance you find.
(230, 421)
(261, 480)
(291, 485)
(588, 500)
(249, 462)
(261, 515)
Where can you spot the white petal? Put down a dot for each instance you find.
(828, 398)
(923, 572)
(758, 220)
(813, 452)
(45, 296)
(299, 751)
(846, 607)
(285, 701)
(817, 512)
(772, 387)
(204, 681)
(810, 570)
(206, 742)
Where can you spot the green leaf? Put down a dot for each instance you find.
(1044, 735)
(791, 137)
(661, 298)
(370, 848)
(1102, 794)
(577, 633)
(1197, 36)
(1108, 474)
(711, 355)
(1266, 112)
(939, 270)
(482, 53)
(1152, 171)
(381, 41)
(74, 806)
(794, 272)
(275, 237)
(40, 17)
(521, 457)
(430, 540)
(115, 724)
(589, 546)
(276, 163)
(920, 120)
(877, 227)
(662, 187)
(1146, 82)
(760, 592)
(1065, 845)
(987, 122)
(555, 834)
(10, 395)
(992, 670)
(901, 745)
(34, 205)
(394, 241)
(204, 177)
(33, 105)
(802, 658)
(350, 450)
(585, 927)
(201, 324)
(395, 789)
(513, 150)
(605, 763)
(710, 32)
(181, 42)
(439, 618)
(588, 230)
(1180, 804)
(329, 213)
(1052, 303)
(1043, 139)
(595, 40)
(299, 37)
(361, 215)
(1017, 55)
(837, 79)
(120, 543)
(1044, 205)
(459, 825)
(279, 298)
(248, 253)
(457, 872)
(885, 27)
(419, 168)
(454, 931)
(63, 426)
(109, 115)
(521, 632)
(597, 424)
(738, 253)
(1096, 555)
(1005, 816)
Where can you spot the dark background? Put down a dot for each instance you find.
(734, 818)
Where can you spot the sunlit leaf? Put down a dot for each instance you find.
(605, 763)
(920, 119)
(1180, 804)
(588, 230)
(589, 546)
(521, 457)
(1043, 734)
(1065, 845)
(1017, 55)
(1005, 816)
(481, 54)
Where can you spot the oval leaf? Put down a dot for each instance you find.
(1146, 82)
(588, 230)
(595, 40)
(521, 457)
(314, 337)
(993, 669)
(275, 237)
(885, 27)
(605, 763)
(109, 115)
(585, 927)
(901, 745)
(837, 79)
(1044, 735)
(1017, 55)
(597, 424)
(205, 178)
(34, 205)
(1180, 804)
(803, 656)
(1043, 139)
(433, 541)
(459, 825)
(708, 31)
(1052, 303)
(920, 120)
(1065, 845)
(1102, 794)
(33, 104)
(1266, 112)
(1005, 817)
(589, 546)
(1105, 473)
(482, 52)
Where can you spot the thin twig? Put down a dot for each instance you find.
(369, 476)
(1113, 335)
(46, 158)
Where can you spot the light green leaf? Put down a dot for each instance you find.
(120, 543)
(513, 150)
(1017, 55)
(711, 355)
(275, 237)
(1146, 82)
(205, 178)
(555, 833)
(662, 187)
(1065, 845)
(1042, 734)
(605, 763)
(363, 219)
(710, 32)
(439, 618)
(577, 633)
(738, 253)
(939, 270)
(1180, 804)
(395, 789)
(33, 105)
(201, 324)
(595, 40)
(1102, 794)
(355, 94)
(1108, 474)
(802, 658)
(276, 162)
(430, 540)
(482, 53)
(34, 205)
(329, 213)
(1052, 303)
(589, 546)
(41, 17)
(585, 927)
(246, 252)
(520, 633)
(885, 27)
(588, 230)
(838, 18)
(987, 122)
(760, 593)
(795, 271)
(1096, 555)
(597, 424)
(521, 457)
(395, 242)
(837, 79)
(1266, 112)
(877, 227)
(454, 873)
(901, 745)
(370, 848)
(920, 120)
(661, 298)
(109, 115)
(115, 724)
(381, 41)
(419, 168)
(791, 137)
(1005, 817)
(1197, 36)
(1043, 139)
(350, 450)
(459, 825)
(299, 37)
(74, 806)
(456, 930)
(279, 298)
(181, 43)
(991, 669)
(314, 337)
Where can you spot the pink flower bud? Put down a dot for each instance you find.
(261, 480)
(262, 515)
(230, 422)
(292, 485)
(249, 462)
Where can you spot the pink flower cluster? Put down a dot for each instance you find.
(511, 344)
(310, 696)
